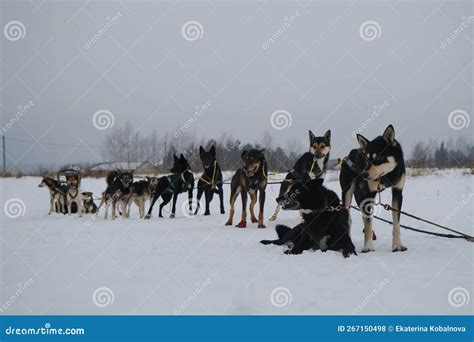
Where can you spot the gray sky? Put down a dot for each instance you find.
(327, 64)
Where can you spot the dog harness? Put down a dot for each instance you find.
(212, 182)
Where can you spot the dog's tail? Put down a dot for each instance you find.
(281, 230)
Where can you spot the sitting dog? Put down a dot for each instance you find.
(57, 194)
(142, 191)
(311, 165)
(325, 223)
(73, 195)
(375, 166)
(118, 190)
(251, 178)
(89, 207)
(180, 180)
(211, 180)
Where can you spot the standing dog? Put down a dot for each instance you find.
(57, 194)
(142, 191)
(211, 180)
(325, 223)
(118, 190)
(311, 165)
(251, 178)
(375, 166)
(180, 180)
(74, 195)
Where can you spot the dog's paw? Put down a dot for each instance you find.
(241, 224)
(288, 252)
(222, 211)
(172, 216)
(228, 223)
(367, 249)
(261, 225)
(253, 220)
(207, 213)
(265, 242)
(147, 217)
(399, 248)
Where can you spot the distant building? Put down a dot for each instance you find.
(138, 167)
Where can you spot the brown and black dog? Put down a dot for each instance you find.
(251, 178)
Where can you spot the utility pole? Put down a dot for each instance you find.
(4, 160)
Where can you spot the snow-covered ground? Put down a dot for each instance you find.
(68, 265)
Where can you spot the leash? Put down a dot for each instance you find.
(451, 236)
(388, 207)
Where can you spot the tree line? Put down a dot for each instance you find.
(125, 143)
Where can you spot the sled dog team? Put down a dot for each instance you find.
(376, 165)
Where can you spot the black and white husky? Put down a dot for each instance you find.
(118, 191)
(375, 166)
(311, 165)
(57, 194)
(142, 191)
(325, 223)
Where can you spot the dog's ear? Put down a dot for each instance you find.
(311, 137)
(132, 171)
(327, 135)
(148, 178)
(243, 154)
(213, 149)
(175, 157)
(261, 152)
(363, 141)
(389, 134)
(201, 150)
(181, 157)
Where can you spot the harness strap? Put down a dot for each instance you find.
(213, 176)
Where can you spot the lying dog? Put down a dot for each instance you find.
(142, 191)
(73, 195)
(180, 180)
(117, 191)
(325, 223)
(375, 166)
(211, 180)
(311, 165)
(57, 194)
(251, 178)
(89, 207)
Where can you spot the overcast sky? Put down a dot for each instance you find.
(320, 65)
